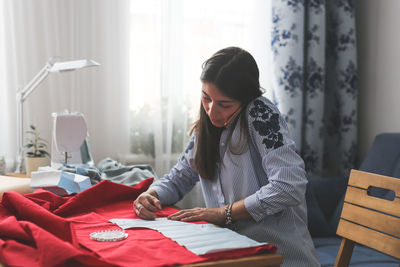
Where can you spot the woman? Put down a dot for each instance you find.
(252, 179)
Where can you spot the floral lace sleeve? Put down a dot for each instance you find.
(284, 180)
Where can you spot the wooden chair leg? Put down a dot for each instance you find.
(344, 254)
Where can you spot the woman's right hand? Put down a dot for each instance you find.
(146, 204)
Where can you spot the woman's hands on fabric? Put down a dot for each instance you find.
(146, 204)
(211, 215)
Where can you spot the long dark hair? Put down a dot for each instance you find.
(235, 73)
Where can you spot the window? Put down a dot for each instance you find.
(170, 39)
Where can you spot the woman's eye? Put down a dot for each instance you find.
(225, 106)
(206, 98)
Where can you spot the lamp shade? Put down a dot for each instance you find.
(72, 65)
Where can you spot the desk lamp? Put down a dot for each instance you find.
(22, 95)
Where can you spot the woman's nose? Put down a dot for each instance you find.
(211, 110)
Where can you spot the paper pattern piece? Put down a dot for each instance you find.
(198, 238)
(60, 182)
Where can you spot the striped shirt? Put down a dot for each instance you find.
(269, 175)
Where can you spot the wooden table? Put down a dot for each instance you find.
(265, 259)
(19, 175)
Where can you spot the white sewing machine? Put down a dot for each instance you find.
(70, 140)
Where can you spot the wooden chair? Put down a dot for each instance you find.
(368, 220)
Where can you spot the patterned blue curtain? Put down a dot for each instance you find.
(315, 80)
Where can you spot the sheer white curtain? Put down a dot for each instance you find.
(169, 42)
(31, 32)
(7, 148)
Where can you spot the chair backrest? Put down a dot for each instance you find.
(369, 220)
(384, 155)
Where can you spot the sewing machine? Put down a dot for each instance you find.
(70, 140)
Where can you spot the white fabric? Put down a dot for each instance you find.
(198, 238)
(33, 32)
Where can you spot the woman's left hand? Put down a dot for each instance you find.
(211, 215)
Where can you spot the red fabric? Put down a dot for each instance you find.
(43, 229)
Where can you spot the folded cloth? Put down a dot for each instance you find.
(60, 182)
(43, 229)
(112, 170)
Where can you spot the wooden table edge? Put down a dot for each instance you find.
(18, 175)
(269, 259)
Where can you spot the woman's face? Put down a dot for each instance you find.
(219, 108)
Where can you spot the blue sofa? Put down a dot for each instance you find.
(325, 197)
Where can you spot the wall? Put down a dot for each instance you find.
(378, 33)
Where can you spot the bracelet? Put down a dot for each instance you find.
(228, 217)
